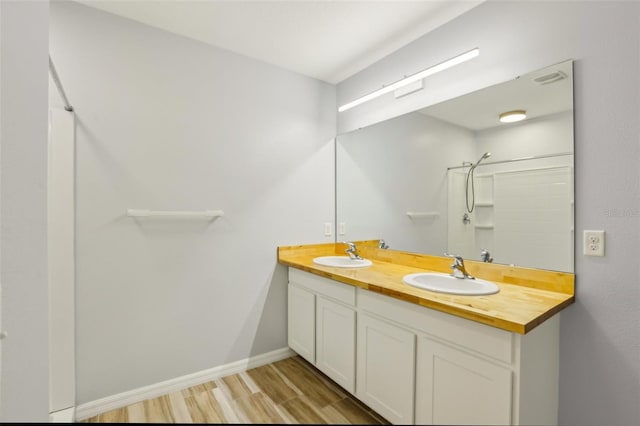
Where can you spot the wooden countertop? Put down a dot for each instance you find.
(527, 296)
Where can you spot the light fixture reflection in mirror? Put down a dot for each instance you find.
(513, 116)
(418, 162)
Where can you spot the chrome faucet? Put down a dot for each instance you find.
(352, 251)
(457, 267)
(383, 245)
(485, 256)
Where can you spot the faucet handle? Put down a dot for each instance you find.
(352, 251)
(454, 256)
(458, 267)
(486, 256)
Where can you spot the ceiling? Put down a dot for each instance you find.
(329, 40)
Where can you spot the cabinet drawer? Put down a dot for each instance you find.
(486, 340)
(344, 293)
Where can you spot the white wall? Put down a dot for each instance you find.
(600, 356)
(23, 198)
(168, 123)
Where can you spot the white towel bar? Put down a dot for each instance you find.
(206, 214)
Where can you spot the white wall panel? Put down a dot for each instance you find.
(532, 218)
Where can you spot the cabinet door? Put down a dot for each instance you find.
(336, 342)
(301, 326)
(386, 369)
(454, 387)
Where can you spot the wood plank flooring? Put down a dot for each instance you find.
(290, 391)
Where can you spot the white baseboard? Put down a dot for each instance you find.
(62, 416)
(93, 408)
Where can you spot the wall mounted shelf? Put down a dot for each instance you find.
(423, 214)
(175, 214)
(484, 227)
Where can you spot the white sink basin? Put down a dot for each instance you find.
(341, 262)
(445, 283)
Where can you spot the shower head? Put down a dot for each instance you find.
(484, 156)
(470, 175)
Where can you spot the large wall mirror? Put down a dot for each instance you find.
(453, 178)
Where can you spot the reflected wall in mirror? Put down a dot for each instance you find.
(453, 178)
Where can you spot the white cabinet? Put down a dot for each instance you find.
(386, 357)
(412, 364)
(454, 387)
(336, 342)
(322, 325)
(301, 332)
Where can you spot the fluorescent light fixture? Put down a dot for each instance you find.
(513, 116)
(412, 78)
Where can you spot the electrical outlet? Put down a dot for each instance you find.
(327, 229)
(593, 243)
(342, 228)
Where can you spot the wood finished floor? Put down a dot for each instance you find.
(290, 391)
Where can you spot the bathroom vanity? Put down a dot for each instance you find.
(420, 357)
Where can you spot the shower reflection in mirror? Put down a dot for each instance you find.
(472, 186)
(521, 209)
